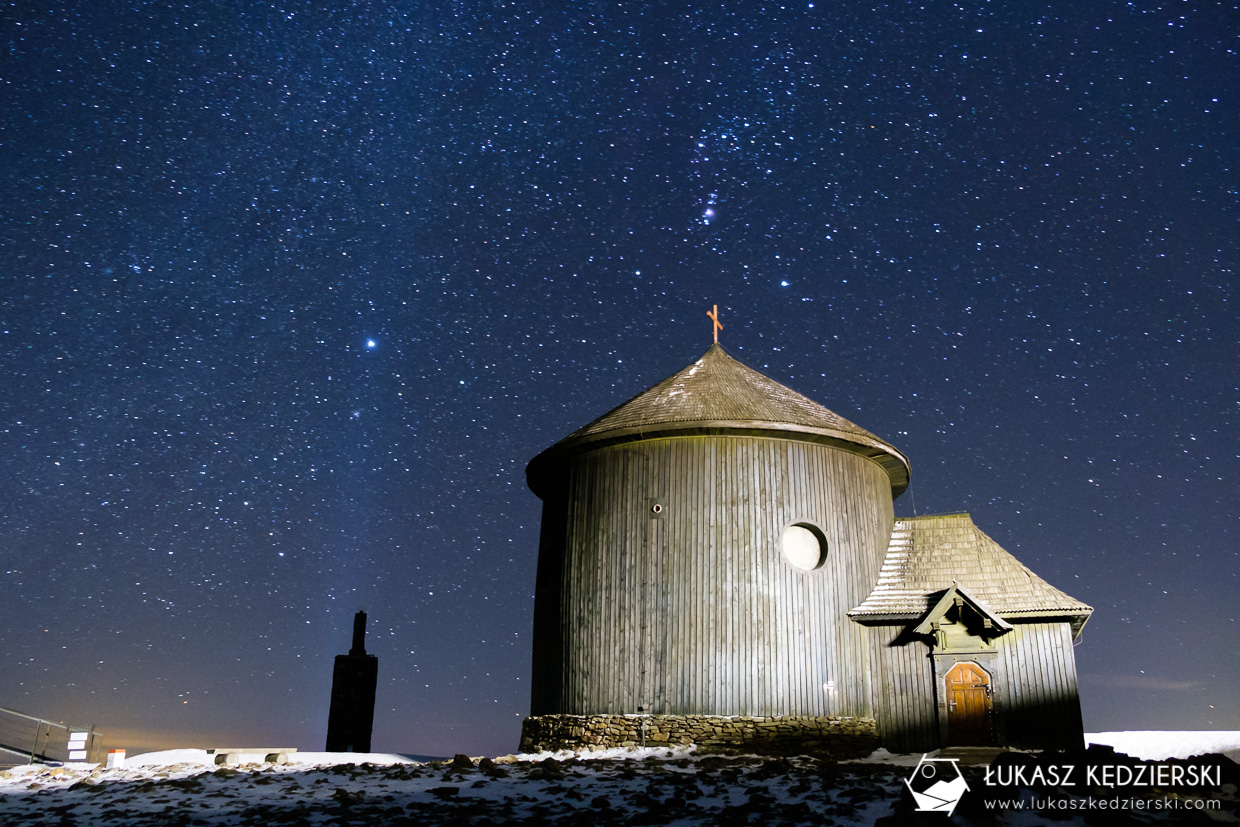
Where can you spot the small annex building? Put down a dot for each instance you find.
(720, 563)
(969, 645)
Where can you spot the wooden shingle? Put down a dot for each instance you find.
(927, 555)
(719, 395)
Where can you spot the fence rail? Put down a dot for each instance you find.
(27, 739)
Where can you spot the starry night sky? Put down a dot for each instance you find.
(290, 295)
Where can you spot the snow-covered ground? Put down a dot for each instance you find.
(1152, 746)
(184, 788)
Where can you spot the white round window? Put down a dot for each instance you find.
(804, 547)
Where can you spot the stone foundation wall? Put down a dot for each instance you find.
(842, 737)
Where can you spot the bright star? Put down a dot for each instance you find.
(371, 343)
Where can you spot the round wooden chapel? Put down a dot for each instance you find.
(701, 545)
(720, 564)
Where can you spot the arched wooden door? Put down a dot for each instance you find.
(970, 713)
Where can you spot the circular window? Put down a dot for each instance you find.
(804, 546)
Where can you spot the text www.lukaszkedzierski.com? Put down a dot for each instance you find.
(1103, 804)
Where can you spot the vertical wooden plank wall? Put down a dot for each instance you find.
(697, 611)
(548, 655)
(904, 691)
(1040, 701)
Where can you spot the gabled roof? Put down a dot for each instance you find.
(717, 394)
(949, 598)
(926, 555)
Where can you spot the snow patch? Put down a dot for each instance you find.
(170, 757)
(1156, 746)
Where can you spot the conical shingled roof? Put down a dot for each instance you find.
(926, 555)
(717, 394)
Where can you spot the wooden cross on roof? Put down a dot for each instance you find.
(714, 321)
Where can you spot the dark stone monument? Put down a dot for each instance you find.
(352, 712)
